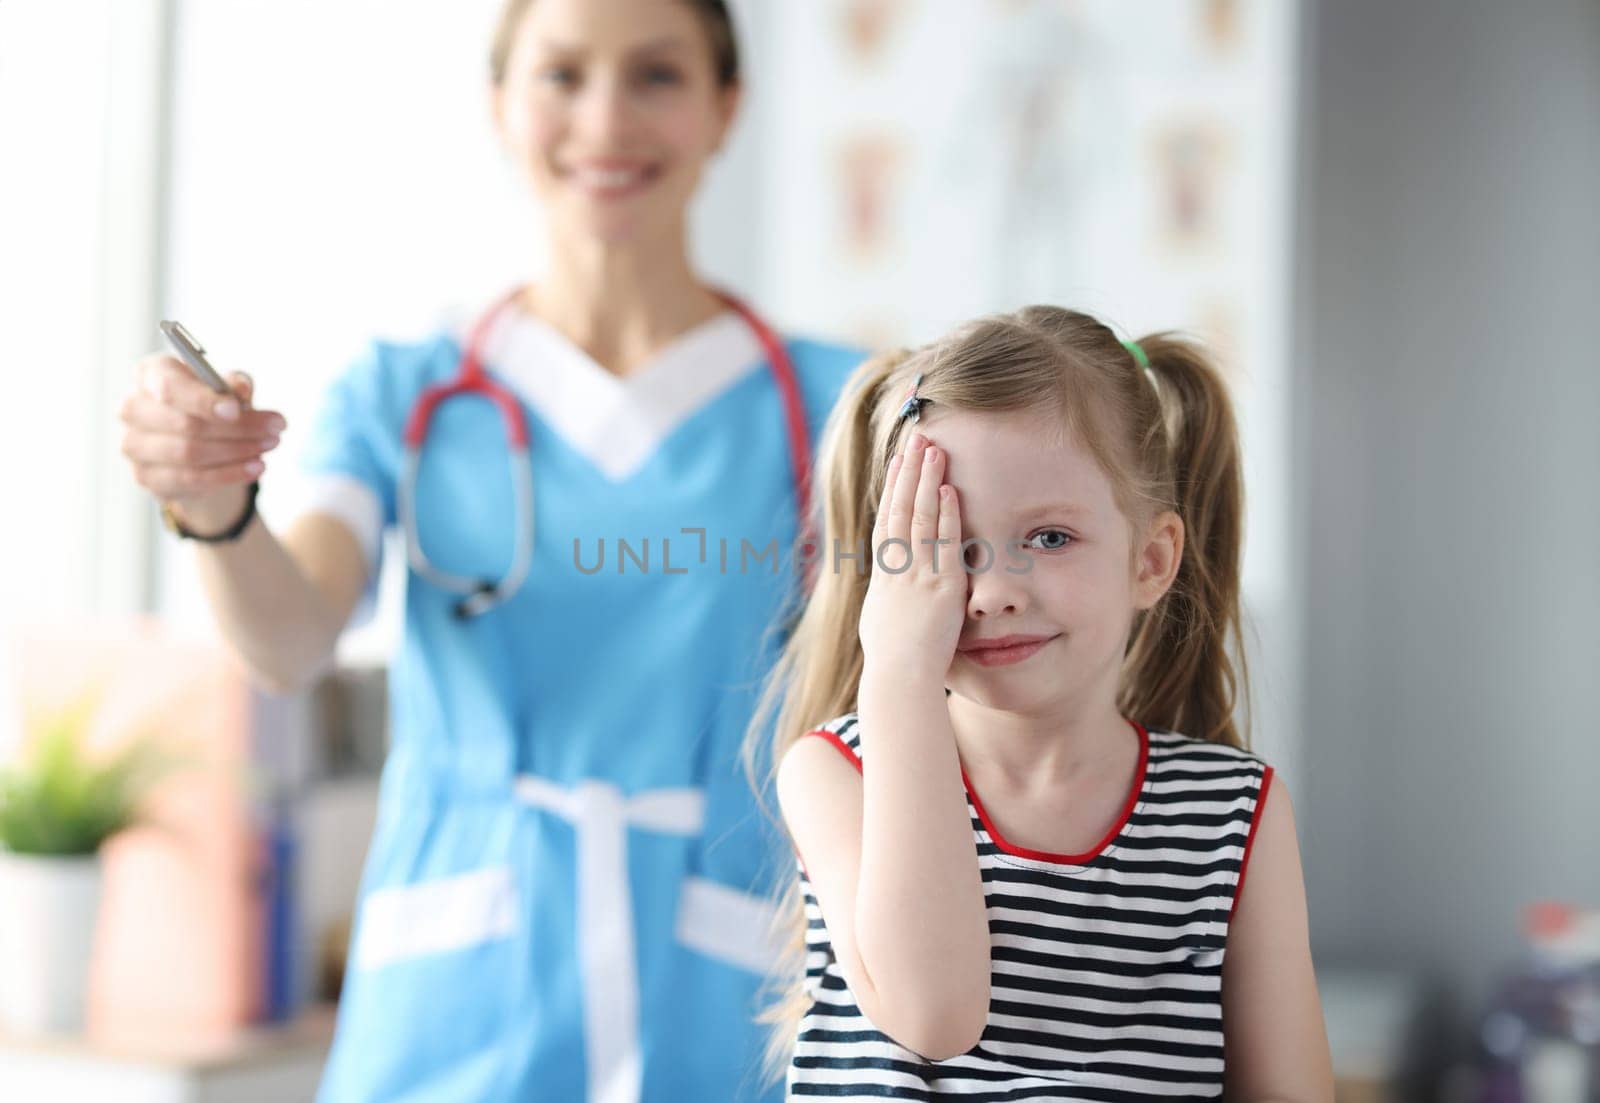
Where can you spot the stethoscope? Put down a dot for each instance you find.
(479, 595)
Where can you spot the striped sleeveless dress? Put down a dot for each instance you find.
(1106, 967)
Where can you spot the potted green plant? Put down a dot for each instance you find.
(58, 804)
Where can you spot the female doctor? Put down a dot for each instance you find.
(562, 900)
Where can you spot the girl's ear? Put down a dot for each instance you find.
(1156, 560)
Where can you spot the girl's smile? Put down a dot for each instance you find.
(1004, 650)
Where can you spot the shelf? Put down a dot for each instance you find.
(279, 1064)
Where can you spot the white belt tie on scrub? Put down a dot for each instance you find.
(607, 959)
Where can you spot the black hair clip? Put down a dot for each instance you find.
(912, 408)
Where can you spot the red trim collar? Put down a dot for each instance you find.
(1089, 855)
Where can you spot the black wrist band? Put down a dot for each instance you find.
(226, 535)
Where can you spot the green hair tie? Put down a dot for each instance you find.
(1141, 359)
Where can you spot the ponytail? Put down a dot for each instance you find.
(818, 672)
(1185, 667)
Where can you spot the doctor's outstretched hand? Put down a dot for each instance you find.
(916, 601)
(192, 447)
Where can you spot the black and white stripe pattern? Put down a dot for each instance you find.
(1106, 967)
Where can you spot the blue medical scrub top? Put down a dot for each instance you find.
(563, 783)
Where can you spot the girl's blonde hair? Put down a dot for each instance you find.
(1166, 440)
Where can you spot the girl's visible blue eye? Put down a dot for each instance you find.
(1054, 540)
(562, 76)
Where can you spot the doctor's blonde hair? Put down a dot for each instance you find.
(1166, 441)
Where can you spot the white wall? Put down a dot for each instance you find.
(1453, 275)
(61, 225)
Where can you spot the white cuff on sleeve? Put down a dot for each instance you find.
(351, 501)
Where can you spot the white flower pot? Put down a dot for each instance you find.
(48, 907)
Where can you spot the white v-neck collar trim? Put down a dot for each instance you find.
(615, 422)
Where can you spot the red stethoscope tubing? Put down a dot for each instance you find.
(483, 594)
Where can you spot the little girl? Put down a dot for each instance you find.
(1025, 819)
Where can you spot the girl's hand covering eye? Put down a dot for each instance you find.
(916, 600)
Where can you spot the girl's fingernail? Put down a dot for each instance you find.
(227, 409)
(930, 455)
(254, 467)
(918, 440)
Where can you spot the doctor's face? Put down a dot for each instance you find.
(611, 108)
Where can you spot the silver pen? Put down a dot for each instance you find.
(190, 352)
